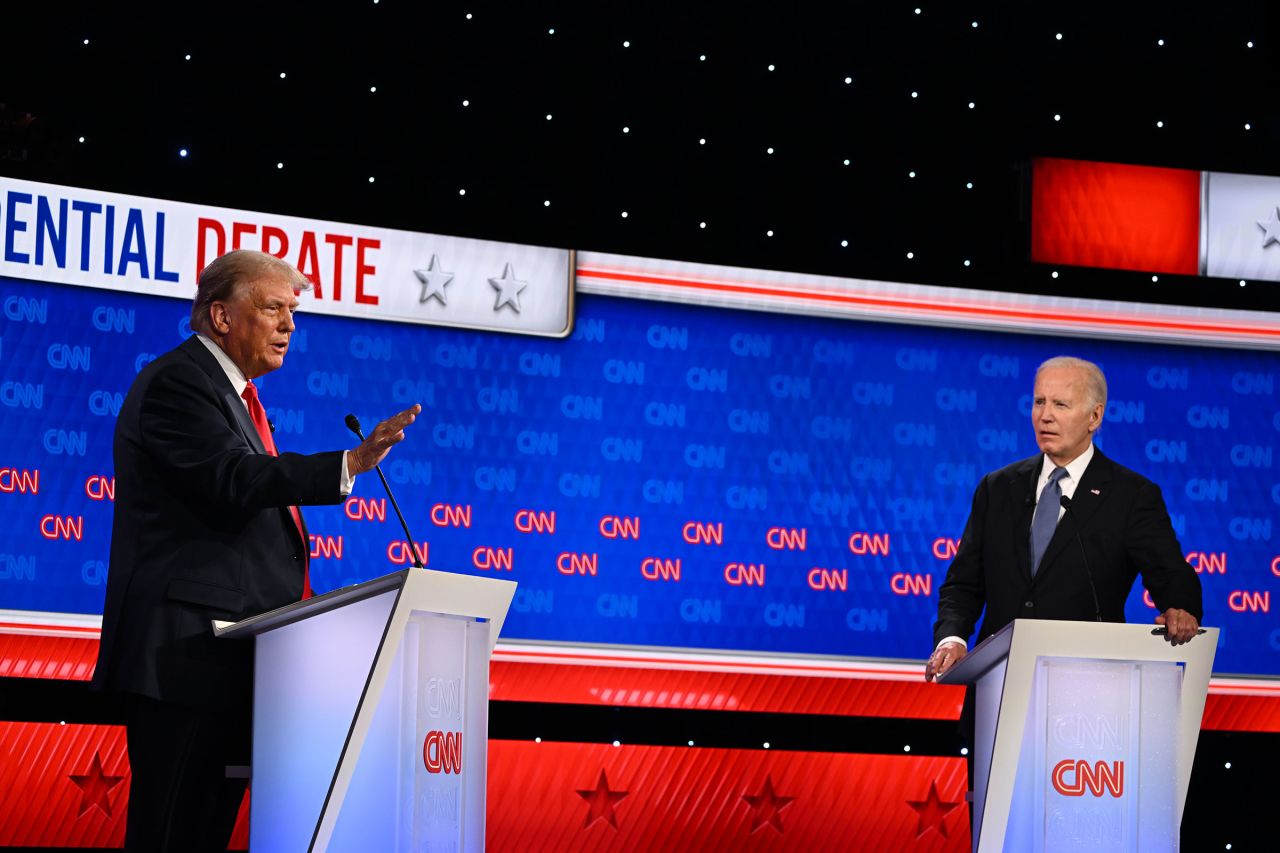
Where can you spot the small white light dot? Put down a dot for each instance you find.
(462, 191)
(626, 44)
(62, 722)
(1159, 42)
(702, 225)
(551, 31)
(702, 141)
(1155, 278)
(917, 10)
(974, 25)
(1058, 36)
(1227, 765)
(846, 162)
(768, 151)
(466, 103)
(626, 129)
(915, 94)
(848, 80)
(371, 179)
(1248, 44)
(906, 747)
(702, 57)
(86, 41)
(911, 174)
(968, 185)
(624, 214)
(82, 139)
(617, 743)
(690, 743)
(966, 262)
(546, 203)
(548, 116)
(187, 57)
(182, 152)
(1057, 116)
(770, 67)
(1247, 126)
(1053, 274)
(971, 105)
(1242, 282)
(964, 750)
(468, 16)
(844, 244)
(279, 165)
(373, 89)
(537, 740)
(1228, 845)
(282, 75)
(1159, 124)
(910, 255)
(766, 744)
(769, 233)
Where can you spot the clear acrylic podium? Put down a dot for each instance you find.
(1085, 734)
(371, 715)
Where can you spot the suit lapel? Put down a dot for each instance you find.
(239, 417)
(1022, 505)
(1089, 497)
(230, 400)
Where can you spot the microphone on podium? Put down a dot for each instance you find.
(353, 424)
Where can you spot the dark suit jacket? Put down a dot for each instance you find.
(201, 531)
(1123, 525)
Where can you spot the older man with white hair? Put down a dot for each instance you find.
(1017, 558)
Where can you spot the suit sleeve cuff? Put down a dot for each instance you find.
(946, 640)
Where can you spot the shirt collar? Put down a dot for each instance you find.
(229, 367)
(1075, 468)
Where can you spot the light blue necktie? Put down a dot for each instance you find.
(1046, 518)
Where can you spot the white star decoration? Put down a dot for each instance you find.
(434, 281)
(509, 289)
(1270, 228)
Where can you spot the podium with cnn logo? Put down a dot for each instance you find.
(370, 715)
(1085, 734)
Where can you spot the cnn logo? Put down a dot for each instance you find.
(1072, 777)
(442, 752)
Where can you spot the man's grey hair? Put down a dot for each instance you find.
(1095, 382)
(223, 280)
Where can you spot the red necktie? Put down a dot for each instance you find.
(259, 417)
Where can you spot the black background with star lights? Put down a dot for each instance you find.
(667, 112)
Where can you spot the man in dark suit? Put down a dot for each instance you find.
(207, 527)
(1019, 558)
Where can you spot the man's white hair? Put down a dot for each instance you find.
(1095, 382)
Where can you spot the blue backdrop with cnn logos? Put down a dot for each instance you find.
(668, 476)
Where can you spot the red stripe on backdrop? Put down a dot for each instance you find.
(722, 691)
(593, 797)
(1234, 706)
(66, 658)
(924, 309)
(1116, 216)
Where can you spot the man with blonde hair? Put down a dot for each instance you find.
(207, 526)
